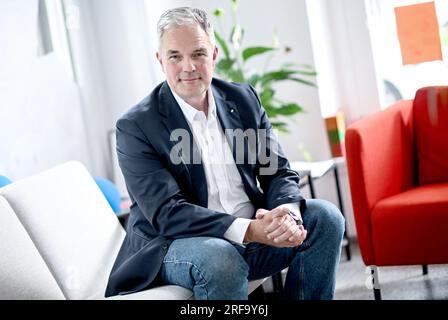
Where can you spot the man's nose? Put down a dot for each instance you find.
(188, 65)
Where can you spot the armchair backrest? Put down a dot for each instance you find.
(71, 225)
(430, 113)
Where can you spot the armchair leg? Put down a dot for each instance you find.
(425, 269)
(375, 282)
(377, 294)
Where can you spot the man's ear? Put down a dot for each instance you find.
(215, 55)
(159, 57)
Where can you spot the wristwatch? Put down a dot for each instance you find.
(297, 218)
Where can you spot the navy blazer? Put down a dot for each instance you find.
(169, 200)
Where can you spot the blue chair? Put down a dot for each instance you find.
(4, 181)
(110, 192)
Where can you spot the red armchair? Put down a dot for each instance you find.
(398, 171)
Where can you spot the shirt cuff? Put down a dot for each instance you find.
(294, 207)
(237, 230)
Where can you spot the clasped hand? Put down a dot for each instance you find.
(276, 228)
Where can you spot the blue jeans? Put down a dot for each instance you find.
(215, 269)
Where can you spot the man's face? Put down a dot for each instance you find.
(188, 59)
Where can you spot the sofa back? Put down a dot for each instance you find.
(24, 274)
(71, 225)
(430, 110)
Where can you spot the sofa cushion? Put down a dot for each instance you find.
(431, 134)
(23, 272)
(72, 226)
(169, 292)
(412, 227)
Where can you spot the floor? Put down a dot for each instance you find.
(397, 283)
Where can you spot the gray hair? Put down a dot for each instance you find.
(185, 16)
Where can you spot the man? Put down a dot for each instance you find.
(208, 214)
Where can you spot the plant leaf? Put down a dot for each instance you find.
(281, 75)
(219, 12)
(302, 81)
(270, 111)
(289, 109)
(280, 126)
(276, 75)
(223, 45)
(237, 36)
(306, 66)
(253, 51)
(307, 73)
(224, 65)
(266, 96)
(289, 65)
(234, 4)
(236, 75)
(300, 68)
(253, 80)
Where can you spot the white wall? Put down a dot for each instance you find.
(344, 59)
(40, 106)
(126, 59)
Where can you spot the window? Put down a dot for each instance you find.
(402, 81)
(52, 31)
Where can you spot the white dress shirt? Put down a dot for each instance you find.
(225, 188)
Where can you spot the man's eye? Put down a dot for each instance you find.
(199, 54)
(175, 57)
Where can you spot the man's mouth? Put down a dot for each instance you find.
(189, 79)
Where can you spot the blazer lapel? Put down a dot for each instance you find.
(174, 119)
(227, 113)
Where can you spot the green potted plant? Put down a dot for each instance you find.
(232, 66)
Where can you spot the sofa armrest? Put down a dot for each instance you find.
(123, 218)
(380, 160)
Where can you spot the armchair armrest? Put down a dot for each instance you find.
(380, 160)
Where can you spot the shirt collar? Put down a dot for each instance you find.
(190, 112)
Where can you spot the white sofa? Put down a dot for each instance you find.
(59, 239)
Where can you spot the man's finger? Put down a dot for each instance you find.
(293, 229)
(278, 221)
(284, 229)
(260, 213)
(280, 211)
(298, 237)
(275, 224)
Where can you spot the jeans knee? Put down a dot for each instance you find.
(331, 219)
(224, 262)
